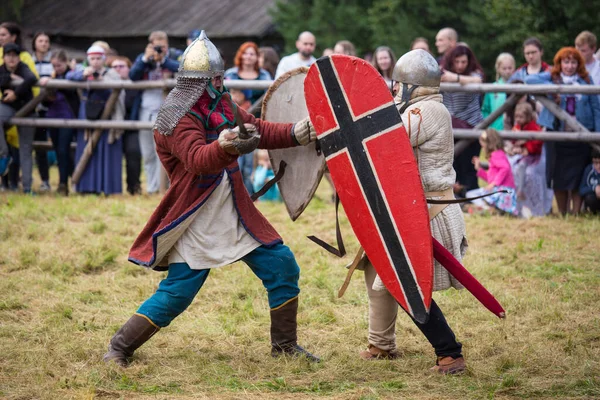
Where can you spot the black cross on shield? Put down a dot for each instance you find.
(350, 136)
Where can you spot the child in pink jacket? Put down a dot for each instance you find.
(499, 175)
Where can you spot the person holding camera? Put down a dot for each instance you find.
(157, 62)
(104, 170)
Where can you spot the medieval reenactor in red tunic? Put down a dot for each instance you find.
(207, 219)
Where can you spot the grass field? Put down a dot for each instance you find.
(66, 287)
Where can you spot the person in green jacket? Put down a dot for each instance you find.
(505, 67)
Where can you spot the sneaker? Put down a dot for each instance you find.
(45, 186)
(449, 366)
(4, 164)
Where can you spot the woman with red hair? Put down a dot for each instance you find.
(247, 68)
(565, 161)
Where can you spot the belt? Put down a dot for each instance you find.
(435, 209)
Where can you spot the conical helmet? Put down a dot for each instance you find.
(200, 62)
(417, 67)
(418, 74)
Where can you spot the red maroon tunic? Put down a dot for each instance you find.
(194, 162)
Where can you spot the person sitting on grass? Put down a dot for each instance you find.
(499, 176)
(590, 184)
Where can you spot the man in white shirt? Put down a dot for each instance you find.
(586, 44)
(305, 44)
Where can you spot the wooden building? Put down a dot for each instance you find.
(125, 25)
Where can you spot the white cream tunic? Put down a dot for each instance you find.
(215, 237)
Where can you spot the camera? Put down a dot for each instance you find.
(158, 49)
(95, 74)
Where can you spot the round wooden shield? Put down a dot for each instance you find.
(284, 102)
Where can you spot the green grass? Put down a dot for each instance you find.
(66, 287)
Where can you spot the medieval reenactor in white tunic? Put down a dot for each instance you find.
(207, 219)
(428, 124)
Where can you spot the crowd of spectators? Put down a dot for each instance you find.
(532, 172)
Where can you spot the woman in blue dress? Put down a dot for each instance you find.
(103, 173)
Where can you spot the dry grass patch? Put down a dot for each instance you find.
(66, 287)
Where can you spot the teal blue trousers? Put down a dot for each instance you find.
(274, 265)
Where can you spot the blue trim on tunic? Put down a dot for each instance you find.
(182, 218)
(166, 229)
(276, 241)
(208, 184)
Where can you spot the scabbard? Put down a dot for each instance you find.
(452, 265)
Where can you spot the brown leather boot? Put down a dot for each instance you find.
(283, 332)
(136, 331)
(449, 365)
(375, 353)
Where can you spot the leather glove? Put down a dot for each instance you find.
(230, 141)
(304, 132)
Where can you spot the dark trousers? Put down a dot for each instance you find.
(592, 203)
(133, 160)
(61, 141)
(41, 156)
(438, 333)
(465, 172)
(383, 312)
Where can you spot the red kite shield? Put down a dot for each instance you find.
(375, 174)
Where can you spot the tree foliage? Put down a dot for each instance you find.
(488, 26)
(11, 10)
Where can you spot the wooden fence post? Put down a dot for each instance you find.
(461, 145)
(561, 114)
(31, 104)
(95, 137)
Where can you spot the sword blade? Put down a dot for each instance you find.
(448, 261)
(243, 132)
